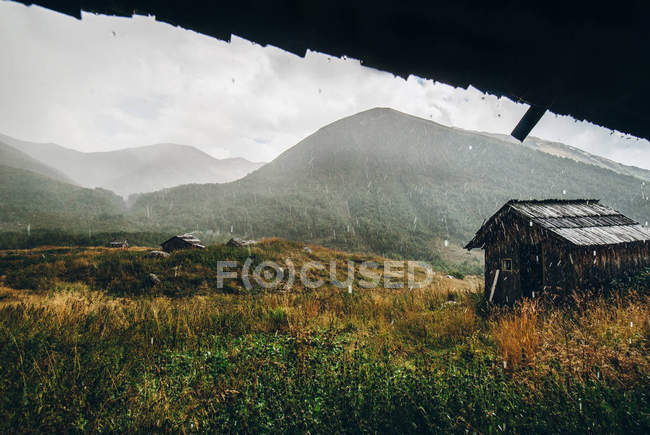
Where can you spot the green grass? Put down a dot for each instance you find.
(76, 358)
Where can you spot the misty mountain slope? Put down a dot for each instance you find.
(562, 150)
(387, 182)
(166, 165)
(33, 199)
(134, 170)
(11, 157)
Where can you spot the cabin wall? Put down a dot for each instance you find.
(508, 286)
(566, 268)
(175, 244)
(558, 266)
(597, 266)
(516, 239)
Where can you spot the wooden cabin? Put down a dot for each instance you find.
(240, 243)
(183, 241)
(119, 244)
(557, 245)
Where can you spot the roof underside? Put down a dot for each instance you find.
(576, 59)
(579, 222)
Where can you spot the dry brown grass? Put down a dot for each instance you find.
(406, 315)
(518, 335)
(595, 337)
(188, 362)
(591, 338)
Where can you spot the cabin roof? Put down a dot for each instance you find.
(581, 222)
(189, 238)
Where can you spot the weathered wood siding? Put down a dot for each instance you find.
(175, 244)
(508, 284)
(541, 262)
(596, 266)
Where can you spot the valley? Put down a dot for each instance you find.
(379, 181)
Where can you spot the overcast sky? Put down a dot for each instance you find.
(106, 83)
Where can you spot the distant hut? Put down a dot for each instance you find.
(558, 245)
(239, 243)
(119, 244)
(183, 241)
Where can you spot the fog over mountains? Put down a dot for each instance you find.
(380, 181)
(562, 150)
(388, 182)
(17, 159)
(134, 170)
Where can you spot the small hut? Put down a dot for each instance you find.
(239, 243)
(558, 245)
(119, 244)
(183, 241)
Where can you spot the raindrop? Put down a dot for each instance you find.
(470, 147)
(446, 243)
(563, 192)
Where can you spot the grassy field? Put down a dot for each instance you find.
(87, 343)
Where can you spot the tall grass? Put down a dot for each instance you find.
(74, 357)
(401, 360)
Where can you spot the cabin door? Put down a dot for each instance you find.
(530, 270)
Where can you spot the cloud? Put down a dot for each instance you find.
(105, 83)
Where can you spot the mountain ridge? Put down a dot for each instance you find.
(12, 157)
(560, 149)
(378, 181)
(389, 183)
(135, 170)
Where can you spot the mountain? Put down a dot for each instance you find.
(11, 157)
(561, 150)
(390, 183)
(134, 170)
(33, 199)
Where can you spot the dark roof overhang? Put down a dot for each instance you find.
(581, 59)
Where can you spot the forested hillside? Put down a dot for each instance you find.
(34, 200)
(389, 183)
